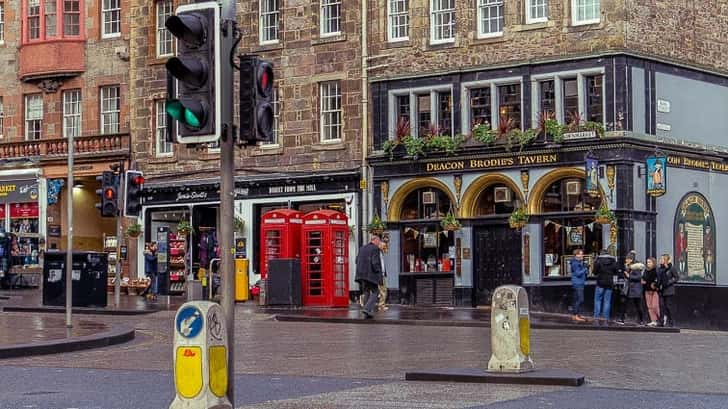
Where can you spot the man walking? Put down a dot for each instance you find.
(369, 274)
(382, 304)
(578, 280)
(606, 270)
(667, 277)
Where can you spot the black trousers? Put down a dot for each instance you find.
(370, 292)
(637, 305)
(667, 309)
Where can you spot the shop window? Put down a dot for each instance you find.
(24, 224)
(567, 195)
(426, 247)
(496, 199)
(424, 204)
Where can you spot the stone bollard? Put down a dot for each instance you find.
(510, 331)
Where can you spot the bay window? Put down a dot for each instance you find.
(52, 19)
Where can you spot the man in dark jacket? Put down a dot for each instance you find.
(150, 269)
(369, 274)
(579, 270)
(606, 269)
(667, 277)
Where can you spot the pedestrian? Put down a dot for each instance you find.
(652, 298)
(578, 280)
(150, 269)
(382, 304)
(668, 277)
(632, 292)
(369, 273)
(606, 269)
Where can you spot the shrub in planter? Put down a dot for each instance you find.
(450, 223)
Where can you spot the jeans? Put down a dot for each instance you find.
(602, 295)
(155, 284)
(371, 296)
(667, 308)
(578, 300)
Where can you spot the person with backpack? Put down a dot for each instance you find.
(667, 278)
(606, 269)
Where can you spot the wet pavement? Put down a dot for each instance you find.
(17, 328)
(31, 300)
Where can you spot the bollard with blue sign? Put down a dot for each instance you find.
(200, 357)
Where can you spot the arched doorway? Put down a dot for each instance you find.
(567, 217)
(489, 201)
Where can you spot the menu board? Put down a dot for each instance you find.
(24, 210)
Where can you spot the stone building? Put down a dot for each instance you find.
(316, 157)
(635, 94)
(65, 72)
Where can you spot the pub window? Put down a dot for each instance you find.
(426, 247)
(547, 100)
(428, 110)
(424, 114)
(444, 112)
(594, 98)
(480, 106)
(509, 103)
(570, 96)
(496, 199)
(403, 108)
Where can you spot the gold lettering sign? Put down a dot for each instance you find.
(702, 164)
(491, 163)
(6, 189)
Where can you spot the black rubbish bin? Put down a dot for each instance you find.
(90, 270)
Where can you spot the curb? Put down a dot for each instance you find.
(466, 324)
(78, 310)
(117, 335)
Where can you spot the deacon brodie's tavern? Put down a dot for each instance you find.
(459, 106)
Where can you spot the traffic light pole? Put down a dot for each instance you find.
(119, 219)
(69, 236)
(227, 186)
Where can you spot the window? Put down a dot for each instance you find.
(111, 18)
(330, 17)
(490, 18)
(110, 109)
(33, 117)
(164, 37)
(424, 114)
(537, 11)
(571, 99)
(269, 20)
(71, 17)
(547, 100)
(594, 98)
(480, 106)
(331, 121)
(585, 12)
(425, 245)
(72, 113)
(2, 118)
(496, 199)
(33, 19)
(2, 22)
(403, 109)
(442, 21)
(48, 19)
(398, 27)
(570, 96)
(444, 112)
(509, 104)
(420, 112)
(163, 148)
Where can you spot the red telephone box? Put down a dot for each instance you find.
(325, 262)
(280, 236)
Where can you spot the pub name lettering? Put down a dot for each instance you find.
(520, 160)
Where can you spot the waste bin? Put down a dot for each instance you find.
(242, 292)
(89, 275)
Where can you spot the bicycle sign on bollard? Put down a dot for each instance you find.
(510, 331)
(200, 357)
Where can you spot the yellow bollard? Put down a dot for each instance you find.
(242, 290)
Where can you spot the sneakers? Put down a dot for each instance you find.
(619, 321)
(652, 324)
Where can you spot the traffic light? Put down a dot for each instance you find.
(133, 185)
(193, 100)
(256, 100)
(108, 194)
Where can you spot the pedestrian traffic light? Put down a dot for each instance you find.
(193, 99)
(133, 185)
(256, 100)
(108, 194)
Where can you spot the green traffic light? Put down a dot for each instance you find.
(191, 119)
(175, 109)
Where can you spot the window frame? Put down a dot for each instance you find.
(261, 18)
(323, 112)
(453, 25)
(27, 119)
(104, 11)
(575, 14)
(558, 78)
(76, 117)
(2, 118)
(162, 34)
(2, 22)
(323, 22)
(529, 7)
(465, 88)
(160, 131)
(391, 16)
(413, 93)
(103, 113)
(481, 5)
(59, 17)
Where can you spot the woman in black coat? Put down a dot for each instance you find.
(633, 290)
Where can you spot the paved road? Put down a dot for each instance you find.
(317, 365)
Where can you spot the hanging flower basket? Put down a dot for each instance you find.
(604, 216)
(450, 223)
(518, 219)
(184, 228)
(377, 226)
(134, 230)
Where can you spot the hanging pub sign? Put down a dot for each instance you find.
(656, 175)
(591, 185)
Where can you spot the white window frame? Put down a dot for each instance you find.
(494, 98)
(2, 118)
(575, 14)
(106, 18)
(325, 18)
(104, 111)
(164, 38)
(28, 118)
(558, 78)
(393, 16)
(324, 111)
(433, 17)
(530, 4)
(72, 112)
(162, 148)
(263, 15)
(2, 23)
(482, 5)
(413, 93)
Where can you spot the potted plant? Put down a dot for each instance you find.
(484, 133)
(518, 219)
(377, 226)
(414, 146)
(134, 230)
(184, 228)
(450, 223)
(604, 215)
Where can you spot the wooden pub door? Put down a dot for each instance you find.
(496, 260)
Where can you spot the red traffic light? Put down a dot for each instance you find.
(138, 180)
(265, 79)
(109, 193)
